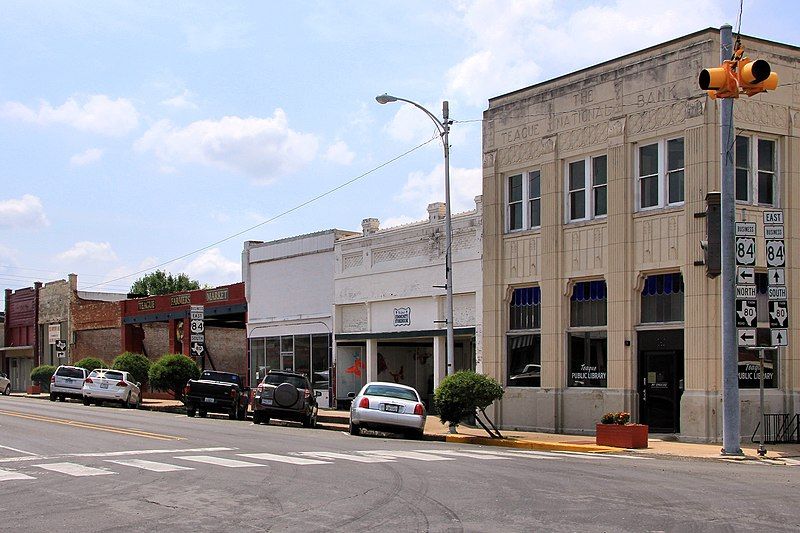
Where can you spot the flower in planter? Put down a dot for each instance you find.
(622, 418)
(608, 418)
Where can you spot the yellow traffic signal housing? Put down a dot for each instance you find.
(738, 75)
(720, 82)
(756, 76)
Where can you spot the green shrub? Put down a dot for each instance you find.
(171, 372)
(41, 375)
(460, 394)
(137, 364)
(91, 363)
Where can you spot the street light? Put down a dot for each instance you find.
(443, 126)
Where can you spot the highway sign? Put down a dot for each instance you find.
(61, 348)
(746, 251)
(780, 337)
(745, 229)
(745, 275)
(776, 254)
(773, 217)
(777, 292)
(198, 348)
(745, 313)
(745, 292)
(773, 232)
(776, 276)
(747, 337)
(778, 314)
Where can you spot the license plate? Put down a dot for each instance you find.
(391, 408)
(104, 385)
(209, 400)
(266, 401)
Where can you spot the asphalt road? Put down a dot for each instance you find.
(67, 467)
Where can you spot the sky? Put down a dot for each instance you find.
(137, 134)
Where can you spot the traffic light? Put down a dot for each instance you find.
(738, 75)
(712, 246)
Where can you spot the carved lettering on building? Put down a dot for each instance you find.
(654, 96)
(216, 295)
(179, 299)
(146, 305)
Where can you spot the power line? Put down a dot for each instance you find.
(272, 219)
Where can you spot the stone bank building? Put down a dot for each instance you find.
(594, 295)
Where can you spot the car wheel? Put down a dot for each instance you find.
(62, 398)
(52, 397)
(203, 413)
(190, 412)
(242, 415)
(355, 429)
(87, 401)
(414, 434)
(7, 390)
(256, 417)
(127, 403)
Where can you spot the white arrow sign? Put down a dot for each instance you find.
(745, 275)
(780, 337)
(776, 276)
(747, 337)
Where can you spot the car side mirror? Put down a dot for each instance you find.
(317, 393)
(138, 384)
(351, 395)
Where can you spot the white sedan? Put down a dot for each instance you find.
(388, 407)
(112, 386)
(5, 384)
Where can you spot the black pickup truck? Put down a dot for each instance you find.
(217, 392)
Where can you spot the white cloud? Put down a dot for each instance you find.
(213, 268)
(88, 251)
(26, 212)
(96, 114)
(550, 38)
(181, 101)
(265, 148)
(409, 124)
(339, 153)
(465, 185)
(92, 155)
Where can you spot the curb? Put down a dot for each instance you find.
(530, 444)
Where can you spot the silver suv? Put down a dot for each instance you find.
(67, 382)
(287, 396)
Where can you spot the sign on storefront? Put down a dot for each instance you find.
(402, 316)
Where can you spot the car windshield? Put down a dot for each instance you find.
(391, 392)
(69, 372)
(220, 376)
(277, 379)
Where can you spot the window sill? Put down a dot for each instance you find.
(515, 232)
(654, 211)
(586, 222)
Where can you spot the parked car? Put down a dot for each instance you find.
(5, 384)
(388, 407)
(67, 382)
(217, 392)
(105, 385)
(287, 396)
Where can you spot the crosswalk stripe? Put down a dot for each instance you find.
(471, 455)
(347, 457)
(152, 466)
(7, 475)
(284, 459)
(76, 470)
(219, 461)
(419, 456)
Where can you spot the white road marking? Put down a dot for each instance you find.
(347, 457)
(566, 454)
(284, 459)
(7, 475)
(152, 466)
(76, 470)
(419, 456)
(18, 459)
(470, 454)
(19, 451)
(146, 452)
(219, 461)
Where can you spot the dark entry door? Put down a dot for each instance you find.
(661, 380)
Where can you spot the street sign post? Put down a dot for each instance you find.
(777, 292)
(61, 348)
(198, 333)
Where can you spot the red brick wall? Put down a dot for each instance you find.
(93, 314)
(100, 343)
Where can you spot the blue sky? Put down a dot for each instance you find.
(134, 132)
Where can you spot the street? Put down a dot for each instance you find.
(67, 467)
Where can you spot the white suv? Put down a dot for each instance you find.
(67, 382)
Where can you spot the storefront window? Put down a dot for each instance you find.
(749, 369)
(273, 346)
(320, 354)
(588, 359)
(662, 298)
(588, 304)
(524, 361)
(302, 354)
(525, 308)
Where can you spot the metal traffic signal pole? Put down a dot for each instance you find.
(731, 422)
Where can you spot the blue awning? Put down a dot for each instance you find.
(526, 296)
(663, 284)
(589, 290)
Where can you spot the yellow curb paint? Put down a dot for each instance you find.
(532, 444)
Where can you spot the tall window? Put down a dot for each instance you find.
(660, 173)
(587, 338)
(518, 188)
(756, 180)
(662, 298)
(587, 184)
(524, 338)
(307, 354)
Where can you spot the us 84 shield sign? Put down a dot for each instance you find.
(745, 251)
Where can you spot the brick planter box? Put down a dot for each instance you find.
(33, 389)
(627, 436)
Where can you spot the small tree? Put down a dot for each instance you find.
(91, 363)
(41, 375)
(137, 364)
(459, 395)
(171, 372)
(160, 282)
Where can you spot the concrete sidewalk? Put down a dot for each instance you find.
(665, 446)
